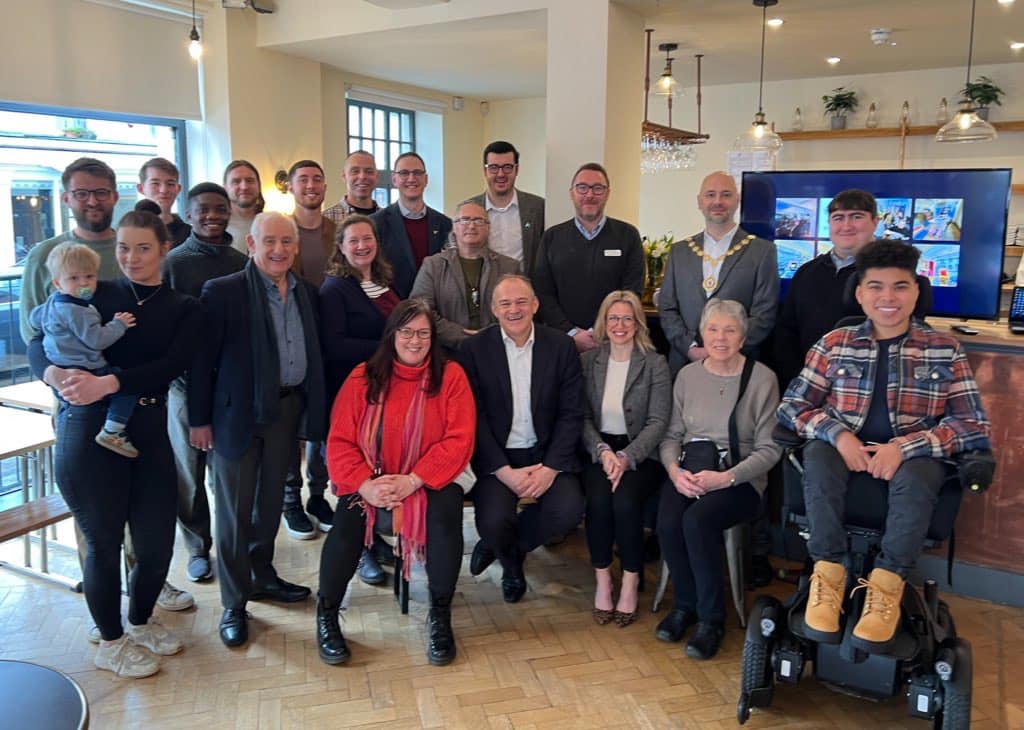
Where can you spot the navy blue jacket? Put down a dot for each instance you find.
(397, 249)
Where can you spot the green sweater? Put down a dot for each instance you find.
(37, 284)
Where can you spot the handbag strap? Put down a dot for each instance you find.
(734, 438)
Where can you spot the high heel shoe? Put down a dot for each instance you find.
(602, 616)
(623, 619)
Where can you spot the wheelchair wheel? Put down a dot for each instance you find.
(956, 701)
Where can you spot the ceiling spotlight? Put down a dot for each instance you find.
(833, 60)
(1006, 2)
(881, 36)
(1016, 46)
(775, 22)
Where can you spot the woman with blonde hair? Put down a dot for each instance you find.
(626, 411)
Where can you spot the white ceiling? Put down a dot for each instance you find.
(505, 56)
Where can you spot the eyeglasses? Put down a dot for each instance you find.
(472, 221)
(404, 174)
(495, 169)
(81, 194)
(626, 319)
(596, 188)
(406, 333)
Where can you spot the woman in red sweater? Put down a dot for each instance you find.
(402, 430)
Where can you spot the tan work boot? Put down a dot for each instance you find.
(881, 614)
(825, 600)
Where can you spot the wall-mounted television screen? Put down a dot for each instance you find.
(956, 218)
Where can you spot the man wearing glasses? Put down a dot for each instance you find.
(458, 282)
(583, 259)
(90, 192)
(517, 217)
(409, 230)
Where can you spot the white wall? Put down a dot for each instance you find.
(88, 56)
(668, 200)
(521, 122)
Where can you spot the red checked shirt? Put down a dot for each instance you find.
(934, 406)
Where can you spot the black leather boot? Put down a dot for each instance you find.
(441, 641)
(329, 641)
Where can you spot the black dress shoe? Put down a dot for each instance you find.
(330, 643)
(441, 642)
(482, 557)
(513, 587)
(672, 627)
(761, 572)
(234, 627)
(281, 591)
(705, 640)
(369, 570)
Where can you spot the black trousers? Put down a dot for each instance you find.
(690, 533)
(617, 518)
(190, 462)
(248, 495)
(344, 543)
(105, 492)
(513, 534)
(316, 473)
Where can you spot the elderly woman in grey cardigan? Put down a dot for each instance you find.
(458, 282)
(697, 504)
(626, 410)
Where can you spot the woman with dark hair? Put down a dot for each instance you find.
(105, 491)
(402, 430)
(355, 301)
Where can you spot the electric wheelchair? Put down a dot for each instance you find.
(926, 658)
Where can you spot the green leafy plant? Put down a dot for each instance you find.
(840, 101)
(983, 92)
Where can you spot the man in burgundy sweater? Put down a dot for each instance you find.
(409, 230)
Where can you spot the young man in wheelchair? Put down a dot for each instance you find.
(890, 397)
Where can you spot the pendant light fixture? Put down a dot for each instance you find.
(966, 125)
(666, 85)
(760, 137)
(195, 48)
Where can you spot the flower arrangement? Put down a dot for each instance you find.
(656, 252)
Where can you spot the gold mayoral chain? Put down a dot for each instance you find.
(711, 282)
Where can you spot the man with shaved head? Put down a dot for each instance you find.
(721, 261)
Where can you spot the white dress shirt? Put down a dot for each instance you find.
(715, 248)
(506, 235)
(520, 370)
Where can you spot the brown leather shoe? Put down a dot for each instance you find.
(881, 614)
(825, 601)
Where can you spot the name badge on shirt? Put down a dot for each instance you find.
(613, 252)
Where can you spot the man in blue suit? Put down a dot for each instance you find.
(256, 386)
(409, 229)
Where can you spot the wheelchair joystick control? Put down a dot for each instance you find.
(944, 663)
(767, 627)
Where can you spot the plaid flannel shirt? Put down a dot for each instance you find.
(934, 406)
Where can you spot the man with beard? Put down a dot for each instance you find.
(242, 181)
(360, 176)
(583, 259)
(722, 261)
(90, 192)
(316, 242)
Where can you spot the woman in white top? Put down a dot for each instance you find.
(626, 412)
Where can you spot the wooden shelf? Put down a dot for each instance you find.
(1017, 189)
(1014, 251)
(1007, 287)
(1014, 126)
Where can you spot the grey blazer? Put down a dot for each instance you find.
(531, 218)
(441, 284)
(751, 277)
(646, 404)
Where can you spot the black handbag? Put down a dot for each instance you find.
(699, 456)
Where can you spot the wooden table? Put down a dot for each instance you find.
(34, 697)
(34, 395)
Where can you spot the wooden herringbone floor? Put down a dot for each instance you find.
(541, 663)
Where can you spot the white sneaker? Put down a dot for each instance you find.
(155, 637)
(94, 634)
(125, 659)
(174, 599)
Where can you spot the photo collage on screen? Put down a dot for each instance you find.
(801, 232)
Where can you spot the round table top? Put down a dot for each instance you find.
(40, 698)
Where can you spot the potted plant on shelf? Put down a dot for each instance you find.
(839, 103)
(984, 93)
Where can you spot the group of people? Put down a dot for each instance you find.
(423, 360)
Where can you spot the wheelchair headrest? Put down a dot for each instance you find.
(925, 298)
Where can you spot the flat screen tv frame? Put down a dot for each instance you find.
(982, 213)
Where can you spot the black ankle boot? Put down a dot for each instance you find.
(441, 641)
(329, 641)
